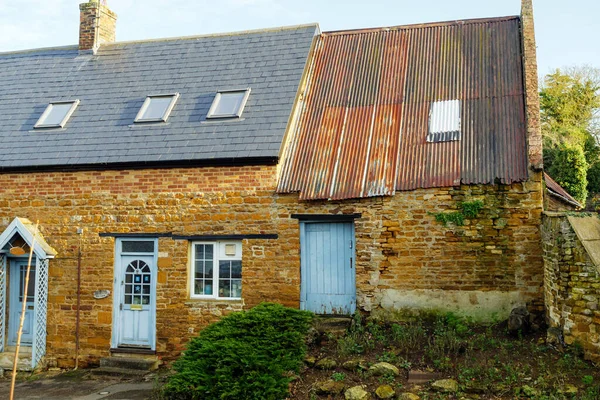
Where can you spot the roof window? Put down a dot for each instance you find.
(444, 121)
(56, 114)
(157, 108)
(229, 104)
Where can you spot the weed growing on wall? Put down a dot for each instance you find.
(468, 209)
(246, 355)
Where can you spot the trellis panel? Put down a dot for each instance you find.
(41, 310)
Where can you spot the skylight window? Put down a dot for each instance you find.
(444, 121)
(229, 104)
(157, 108)
(56, 114)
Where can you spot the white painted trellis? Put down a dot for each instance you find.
(38, 349)
(43, 253)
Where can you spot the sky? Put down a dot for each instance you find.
(567, 32)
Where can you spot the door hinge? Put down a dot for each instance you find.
(351, 262)
(121, 306)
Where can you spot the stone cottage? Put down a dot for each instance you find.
(168, 182)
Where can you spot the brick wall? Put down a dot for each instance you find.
(571, 286)
(97, 25)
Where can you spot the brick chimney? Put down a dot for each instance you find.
(97, 25)
(532, 98)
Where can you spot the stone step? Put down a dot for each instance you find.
(119, 372)
(332, 324)
(129, 363)
(8, 358)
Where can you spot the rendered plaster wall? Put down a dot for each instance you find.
(571, 285)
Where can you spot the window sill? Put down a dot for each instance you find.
(209, 300)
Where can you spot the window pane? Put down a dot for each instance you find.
(209, 251)
(224, 288)
(236, 269)
(157, 108)
(229, 103)
(236, 288)
(208, 287)
(138, 246)
(57, 113)
(224, 269)
(199, 252)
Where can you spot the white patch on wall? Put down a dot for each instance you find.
(258, 251)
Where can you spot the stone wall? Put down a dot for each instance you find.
(405, 258)
(571, 285)
(235, 200)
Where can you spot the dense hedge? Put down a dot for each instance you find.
(246, 355)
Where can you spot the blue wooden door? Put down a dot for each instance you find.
(18, 271)
(328, 267)
(137, 301)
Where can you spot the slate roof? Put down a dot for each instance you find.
(113, 84)
(364, 123)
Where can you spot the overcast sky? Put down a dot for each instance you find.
(568, 32)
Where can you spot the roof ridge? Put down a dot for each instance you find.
(191, 37)
(421, 25)
(39, 49)
(207, 35)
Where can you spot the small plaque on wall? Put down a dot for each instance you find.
(101, 294)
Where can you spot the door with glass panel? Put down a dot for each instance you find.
(18, 272)
(137, 294)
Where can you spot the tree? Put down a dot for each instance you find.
(570, 115)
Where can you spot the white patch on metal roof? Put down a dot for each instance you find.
(444, 121)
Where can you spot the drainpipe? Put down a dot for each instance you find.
(79, 232)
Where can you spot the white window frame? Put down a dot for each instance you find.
(218, 255)
(174, 97)
(40, 122)
(211, 113)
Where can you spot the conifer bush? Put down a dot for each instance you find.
(246, 355)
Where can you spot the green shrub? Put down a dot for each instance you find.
(569, 169)
(246, 355)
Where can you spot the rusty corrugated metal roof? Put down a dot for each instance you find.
(363, 125)
(556, 190)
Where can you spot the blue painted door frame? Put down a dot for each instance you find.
(327, 258)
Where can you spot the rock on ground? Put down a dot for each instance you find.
(385, 392)
(408, 396)
(445, 386)
(329, 387)
(384, 368)
(356, 393)
(326, 363)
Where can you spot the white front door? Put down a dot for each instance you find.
(135, 290)
(18, 271)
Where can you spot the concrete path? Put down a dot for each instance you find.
(78, 385)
